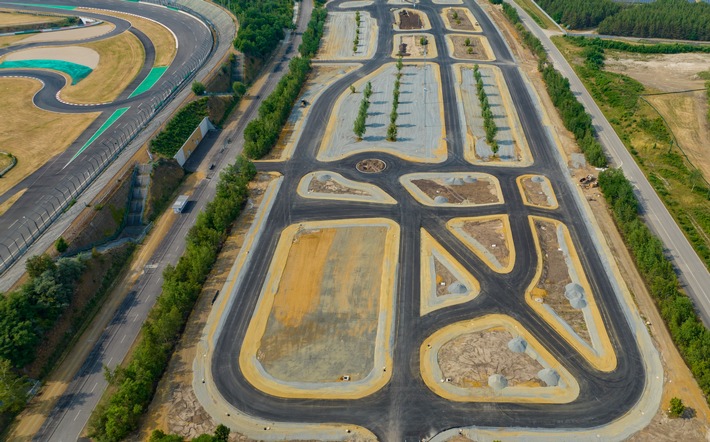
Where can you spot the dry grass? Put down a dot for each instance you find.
(14, 19)
(4, 207)
(121, 59)
(158, 34)
(33, 135)
(11, 39)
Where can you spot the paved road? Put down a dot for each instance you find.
(405, 409)
(693, 273)
(71, 413)
(61, 179)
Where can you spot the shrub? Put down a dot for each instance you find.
(61, 244)
(198, 88)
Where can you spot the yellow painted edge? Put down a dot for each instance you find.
(603, 359)
(455, 222)
(377, 195)
(468, 13)
(421, 197)
(434, 342)
(527, 202)
(427, 243)
(257, 325)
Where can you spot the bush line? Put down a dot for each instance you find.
(690, 336)
(179, 129)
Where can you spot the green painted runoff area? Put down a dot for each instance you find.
(149, 81)
(112, 119)
(77, 72)
(40, 5)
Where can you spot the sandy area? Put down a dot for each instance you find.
(665, 72)
(414, 47)
(477, 49)
(457, 360)
(340, 33)
(121, 58)
(537, 191)
(74, 54)
(71, 34)
(469, 359)
(421, 131)
(489, 237)
(309, 331)
(444, 281)
(464, 21)
(33, 135)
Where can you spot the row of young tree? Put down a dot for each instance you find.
(392, 127)
(658, 48)
(134, 385)
(689, 334)
(359, 125)
(488, 123)
(262, 133)
(676, 19)
(573, 114)
(179, 129)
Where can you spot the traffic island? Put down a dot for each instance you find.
(333, 186)
(444, 281)
(460, 20)
(562, 296)
(329, 296)
(489, 238)
(537, 191)
(493, 359)
(453, 189)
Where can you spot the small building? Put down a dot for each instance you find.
(180, 203)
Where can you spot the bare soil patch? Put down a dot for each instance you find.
(332, 186)
(665, 72)
(408, 19)
(71, 34)
(473, 51)
(489, 233)
(371, 166)
(414, 45)
(478, 192)
(550, 288)
(458, 19)
(33, 135)
(536, 190)
(469, 359)
(326, 307)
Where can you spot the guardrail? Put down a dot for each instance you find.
(15, 242)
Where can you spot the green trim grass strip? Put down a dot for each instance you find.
(76, 71)
(153, 76)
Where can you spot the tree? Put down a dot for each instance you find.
(392, 132)
(13, 388)
(198, 88)
(38, 264)
(61, 244)
(676, 408)
(221, 433)
(239, 88)
(352, 89)
(467, 42)
(400, 64)
(423, 41)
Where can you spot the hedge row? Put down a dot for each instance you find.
(262, 133)
(573, 114)
(689, 334)
(135, 384)
(179, 129)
